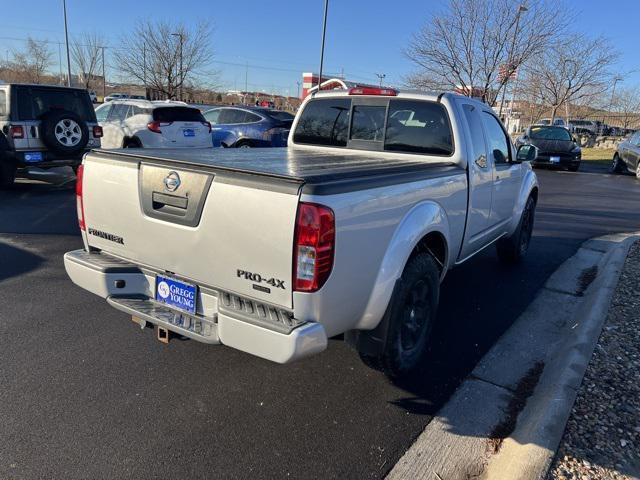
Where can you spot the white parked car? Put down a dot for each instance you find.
(115, 96)
(146, 124)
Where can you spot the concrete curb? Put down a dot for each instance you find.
(559, 329)
(528, 452)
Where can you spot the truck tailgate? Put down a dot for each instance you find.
(211, 228)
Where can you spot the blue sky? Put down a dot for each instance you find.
(280, 39)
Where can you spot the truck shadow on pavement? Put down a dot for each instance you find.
(16, 261)
(479, 301)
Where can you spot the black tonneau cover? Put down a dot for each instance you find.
(321, 172)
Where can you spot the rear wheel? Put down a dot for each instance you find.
(616, 164)
(574, 168)
(412, 313)
(244, 145)
(513, 248)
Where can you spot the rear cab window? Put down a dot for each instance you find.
(177, 114)
(394, 125)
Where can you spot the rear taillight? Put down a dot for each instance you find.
(16, 131)
(313, 247)
(154, 127)
(97, 131)
(385, 92)
(208, 125)
(79, 202)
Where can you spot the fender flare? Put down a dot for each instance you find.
(424, 218)
(528, 184)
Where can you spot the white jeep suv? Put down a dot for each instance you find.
(147, 124)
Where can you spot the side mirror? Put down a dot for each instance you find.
(526, 153)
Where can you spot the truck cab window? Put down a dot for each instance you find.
(324, 122)
(497, 139)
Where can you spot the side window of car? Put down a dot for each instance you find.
(227, 116)
(497, 138)
(251, 117)
(477, 137)
(212, 116)
(118, 112)
(635, 139)
(103, 112)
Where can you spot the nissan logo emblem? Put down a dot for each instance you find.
(172, 182)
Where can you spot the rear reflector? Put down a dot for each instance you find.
(385, 92)
(16, 131)
(97, 131)
(79, 202)
(314, 244)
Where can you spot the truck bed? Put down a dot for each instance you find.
(319, 172)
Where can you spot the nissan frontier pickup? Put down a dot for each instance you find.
(349, 230)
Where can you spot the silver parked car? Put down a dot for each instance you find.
(627, 156)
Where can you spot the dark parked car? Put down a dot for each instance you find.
(627, 156)
(554, 146)
(44, 127)
(246, 127)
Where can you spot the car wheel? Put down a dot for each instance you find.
(513, 248)
(245, 145)
(638, 171)
(616, 164)
(574, 168)
(7, 174)
(412, 313)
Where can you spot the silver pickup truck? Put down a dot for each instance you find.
(349, 230)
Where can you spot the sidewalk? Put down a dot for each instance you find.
(602, 436)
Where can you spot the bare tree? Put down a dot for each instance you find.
(571, 71)
(465, 46)
(626, 104)
(165, 56)
(86, 54)
(31, 64)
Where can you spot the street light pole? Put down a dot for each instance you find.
(521, 8)
(66, 37)
(104, 77)
(324, 31)
(381, 76)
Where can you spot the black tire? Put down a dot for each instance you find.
(513, 248)
(64, 132)
(574, 168)
(132, 143)
(7, 173)
(243, 144)
(411, 315)
(616, 164)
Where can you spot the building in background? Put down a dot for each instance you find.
(310, 84)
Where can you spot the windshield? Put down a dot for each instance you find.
(177, 114)
(550, 133)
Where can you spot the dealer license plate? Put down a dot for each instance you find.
(176, 294)
(189, 132)
(32, 157)
(554, 159)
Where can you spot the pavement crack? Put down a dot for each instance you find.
(564, 292)
(475, 377)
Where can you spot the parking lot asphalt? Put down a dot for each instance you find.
(84, 393)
